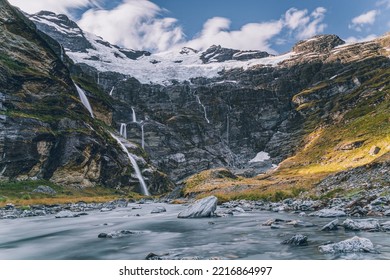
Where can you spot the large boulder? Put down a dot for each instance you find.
(352, 245)
(297, 240)
(201, 208)
(364, 224)
(329, 213)
(333, 225)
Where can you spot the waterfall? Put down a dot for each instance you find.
(61, 53)
(112, 90)
(204, 108)
(142, 136)
(84, 99)
(227, 129)
(134, 116)
(98, 78)
(123, 130)
(135, 166)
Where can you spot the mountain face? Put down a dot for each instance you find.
(312, 112)
(45, 131)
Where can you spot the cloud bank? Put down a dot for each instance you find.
(368, 18)
(141, 24)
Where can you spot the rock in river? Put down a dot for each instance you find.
(329, 213)
(333, 225)
(201, 208)
(354, 244)
(66, 214)
(158, 209)
(297, 240)
(364, 224)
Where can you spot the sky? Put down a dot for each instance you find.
(273, 26)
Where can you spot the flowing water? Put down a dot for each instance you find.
(84, 99)
(134, 116)
(138, 173)
(123, 130)
(236, 237)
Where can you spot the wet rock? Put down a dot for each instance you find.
(354, 244)
(299, 223)
(66, 214)
(200, 209)
(387, 213)
(153, 256)
(296, 240)
(9, 206)
(118, 234)
(268, 222)
(329, 213)
(365, 224)
(333, 225)
(106, 209)
(158, 209)
(386, 226)
(45, 190)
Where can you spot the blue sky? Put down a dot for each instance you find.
(274, 26)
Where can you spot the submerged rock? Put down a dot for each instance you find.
(158, 209)
(299, 223)
(365, 224)
(297, 240)
(333, 225)
(386, 226)
(118, 234)
(354, 244)
(200, 209)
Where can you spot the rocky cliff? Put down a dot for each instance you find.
(45, 131)
(315, 111)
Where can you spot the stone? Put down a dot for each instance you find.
(45, 190)
(118, 234)
(102, 235)
(299, 223)
(296, 240)
(158, 209)
(387, 213)
(153, 256)
(374, 150)
(268, 222)
(200, 209)
(364, 224)
(386, 226)
(329, 213)
(333, 225)
(66, 214)
(353, 245)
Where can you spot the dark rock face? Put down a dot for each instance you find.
(219, 54)
(45, 131)
(320, 43)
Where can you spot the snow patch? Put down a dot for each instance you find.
(260, 157)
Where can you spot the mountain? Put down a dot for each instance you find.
(45, 130)
(304, 120)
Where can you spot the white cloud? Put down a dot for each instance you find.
(141, 24)
(250, 36)
(362, 20)
(352, 39)
(134, 24)
(57, 6)
(384, 3)
(303, 24)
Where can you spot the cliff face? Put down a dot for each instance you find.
(45, 131)
(315, 111)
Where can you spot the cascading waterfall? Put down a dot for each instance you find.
(98, 78)
(227, 129)
(61, 53)
(204, 108)
(123, 130)
(134, 116)
(144, 188)
(84, 99)
(112, 90)
(142, 136)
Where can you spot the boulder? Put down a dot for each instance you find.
(329, 213)
(158, 209)
(386, 226)
(364, 224)
(66, 214)
(200, 209)
(45, 190)
(333, 225)
(297, 240)
(118, 234)
(354, 244)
